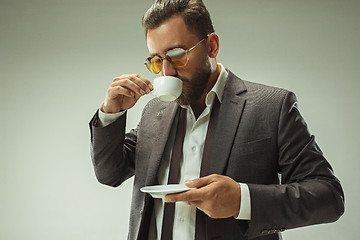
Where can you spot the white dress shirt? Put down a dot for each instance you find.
(195, 135)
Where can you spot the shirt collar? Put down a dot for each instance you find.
(218, 88)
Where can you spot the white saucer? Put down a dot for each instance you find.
(159, 191)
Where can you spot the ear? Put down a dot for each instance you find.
(212, 43)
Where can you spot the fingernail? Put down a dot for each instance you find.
(142, 92)
(151, 87)
(148, 90)
(189, 182)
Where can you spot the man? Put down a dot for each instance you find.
(238, 136)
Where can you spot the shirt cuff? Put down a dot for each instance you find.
(245, 203)
(108, 118)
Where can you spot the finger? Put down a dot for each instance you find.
(140, 82)
(145, 81)
(115, 91)
(188, 196)
(129, 84)
(131, 76)
(197, 204)
(201, 182)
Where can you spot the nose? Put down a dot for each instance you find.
(168, 68)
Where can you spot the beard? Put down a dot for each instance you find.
(194, 88)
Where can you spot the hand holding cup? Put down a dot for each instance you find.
(124, 92)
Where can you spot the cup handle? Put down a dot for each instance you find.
(153, 92)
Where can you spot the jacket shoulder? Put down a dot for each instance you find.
(266, 96)
(252, 90)
(262, 88)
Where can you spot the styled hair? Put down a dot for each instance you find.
(194, 13)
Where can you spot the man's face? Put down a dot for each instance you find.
(171, 34)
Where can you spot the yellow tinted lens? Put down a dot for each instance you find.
(178, 57)
(154, 64)
(157, 64)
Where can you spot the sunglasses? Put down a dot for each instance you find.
(178, 57)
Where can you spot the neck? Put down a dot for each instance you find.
(199, 106)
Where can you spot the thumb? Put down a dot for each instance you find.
(199, 182)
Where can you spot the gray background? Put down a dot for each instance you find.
(57, 59)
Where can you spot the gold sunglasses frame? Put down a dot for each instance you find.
(148, 60)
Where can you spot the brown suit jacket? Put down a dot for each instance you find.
(260, 136)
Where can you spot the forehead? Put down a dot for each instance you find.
(170, 34)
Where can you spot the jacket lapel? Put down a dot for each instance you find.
(230, 112)
(165, 120)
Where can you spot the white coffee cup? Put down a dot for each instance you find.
(167, 88)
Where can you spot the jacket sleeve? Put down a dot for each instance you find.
(112, 151)
(309, 192)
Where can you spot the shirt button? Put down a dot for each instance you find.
(193, 148)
